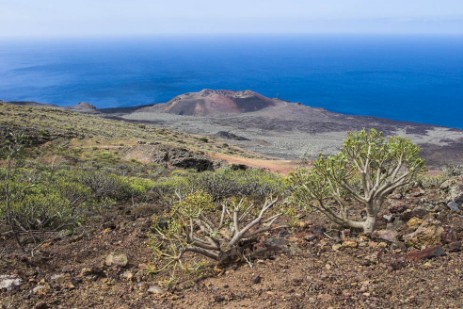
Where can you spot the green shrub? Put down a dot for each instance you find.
(226, 183)
(104, 185)
(50, 204)
(43, 197)
(139, 186)
(366, 170)
(166, 189)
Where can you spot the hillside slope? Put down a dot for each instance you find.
(413, 261)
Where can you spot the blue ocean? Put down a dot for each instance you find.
(409, 78)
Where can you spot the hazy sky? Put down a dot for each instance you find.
(142, 17)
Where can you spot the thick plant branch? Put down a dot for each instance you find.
(240, 234)
(210, 254)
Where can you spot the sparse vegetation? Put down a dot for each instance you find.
(44, 198)
(88, 190)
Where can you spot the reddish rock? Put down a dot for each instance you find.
(455, 246)
(211, 102)
(427, 253)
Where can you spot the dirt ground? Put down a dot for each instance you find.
(282, 167)
(315, 266)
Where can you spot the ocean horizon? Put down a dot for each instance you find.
(406, 78)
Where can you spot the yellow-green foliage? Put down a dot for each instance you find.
(192, 206)
(165, 189)
(104, 156)
(137, 185)
(45, 197)
(225, 183)
(44, 202)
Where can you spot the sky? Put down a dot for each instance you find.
(68, 18)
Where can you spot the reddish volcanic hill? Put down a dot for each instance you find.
(210, 102)
(83, 106)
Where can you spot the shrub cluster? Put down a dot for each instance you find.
(225, 183)
(41, 197)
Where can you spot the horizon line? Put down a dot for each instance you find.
(229, 34)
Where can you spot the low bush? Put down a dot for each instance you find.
(167, 189)
(104, 185)
(225, 183)
(224, 232)
(43, 202)
(44, 197)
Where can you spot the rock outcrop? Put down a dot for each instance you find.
(163, 154)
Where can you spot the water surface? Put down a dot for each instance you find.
(417, 79)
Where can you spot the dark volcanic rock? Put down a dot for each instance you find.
(455, 246)
(200, 164)
(239, 167)
(228, 135)
(398, 208)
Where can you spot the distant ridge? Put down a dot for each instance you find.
(27, 103)
(210, 102)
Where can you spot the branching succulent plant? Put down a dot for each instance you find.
(366, 170)
(222, 234)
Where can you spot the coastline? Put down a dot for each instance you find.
(292, 131)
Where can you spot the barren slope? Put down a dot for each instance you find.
(211, 102)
